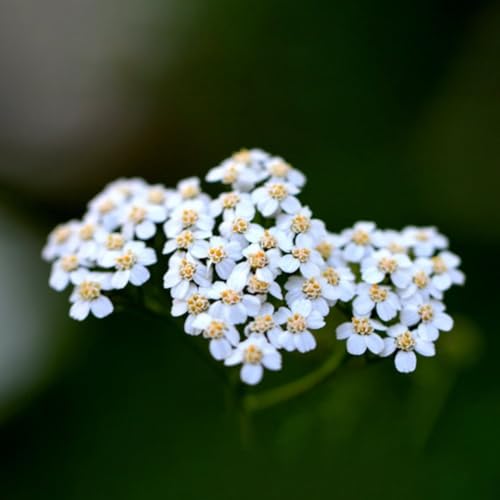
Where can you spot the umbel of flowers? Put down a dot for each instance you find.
(252, 271)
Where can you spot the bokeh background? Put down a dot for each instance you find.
(391, 108)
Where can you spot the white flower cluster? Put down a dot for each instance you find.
(252, 271)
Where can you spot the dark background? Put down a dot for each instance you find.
(392, 109)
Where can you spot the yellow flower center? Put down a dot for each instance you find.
(190, 191)
(262, 324)
(300, 223)
(421, 279)
(258, 259)
(277, 191)
(257, 286)
(360, 237)
(216, 254)
(426, 312)
(362, 326)
(387, 265)
(240, 225)
(106, 206)
(87, 232)
(137, 214)
(230, 200)
(187, 269)
(405, 341)
(378, 294)
(230, 297)
(89, 290)
(422, 236)
(331, 276)
(242, 156)
(325, 249)
(253, 355)
(215, 330)
(62, 234)
(296, 323)
(267, 240)
(302, 254)
(311, 288)
(115, 241)
(439, 265)
(394, 247)
(69, 263)
(230, 175)
(197, 303)
(279, 169)
(156, 196)
(126, 261)
(189, 217)
(185, 239)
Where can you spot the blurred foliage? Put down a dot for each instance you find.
(391, 109)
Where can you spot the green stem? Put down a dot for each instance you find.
(271, 397)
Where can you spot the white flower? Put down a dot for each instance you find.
(446, 274)
(383, 263)
(233, 204)
(302, 223)
(238, 229)
(189, 216)
(391, 240)
(88, 235)
(425, 240)
(183, 269)
(61, 241)
(421, 281)
(187, 240)
(264, 324)
(429, 313)
(341, 279)
(263, 263)
(315, 289)
(263, 287)
(359, 241)
(377, 297)
(87, 296)
(194, 303)
(64, 269)
(330, 248)
(220, 253)
(406, 343)
(140, 219)
(269, 238)
(130, 264)
(107, 205)
(222, 334)
(303, 256)
(297, 321)
(360, 335)
(242, 171)
(274, 196)
(231, 303)
(280, 171)
(187, 189)
(255, 353)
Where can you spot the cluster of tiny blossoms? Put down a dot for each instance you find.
(252, 271)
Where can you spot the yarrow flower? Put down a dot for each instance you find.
(252, 270)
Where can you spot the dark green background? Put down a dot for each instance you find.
(392, 109)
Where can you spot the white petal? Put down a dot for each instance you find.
(79, 310)
(120, 279)
(305, 341)
(101, 307)
(251, 374)
(289, 264)
(374, 343)
(145, 230)
(272, 361)
(356, 345)
(220, 348)
(139, 275)
(405, 362)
